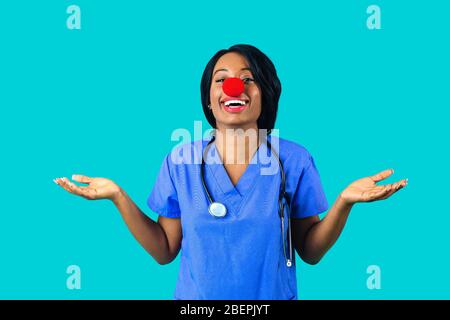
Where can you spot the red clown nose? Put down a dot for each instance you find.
(233, 87)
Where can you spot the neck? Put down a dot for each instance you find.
(237, 146)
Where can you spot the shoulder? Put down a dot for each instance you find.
(291, 152)
(185, 153)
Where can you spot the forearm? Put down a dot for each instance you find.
(146, 231)
(322, 235)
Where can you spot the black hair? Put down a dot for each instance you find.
(265, 75)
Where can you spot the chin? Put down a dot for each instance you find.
(237, 123)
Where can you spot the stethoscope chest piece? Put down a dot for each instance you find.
(217, 209)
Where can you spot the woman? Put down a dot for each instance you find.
(238, 251)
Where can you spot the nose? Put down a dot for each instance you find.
(233, 87)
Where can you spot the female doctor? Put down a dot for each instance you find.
(231, 220)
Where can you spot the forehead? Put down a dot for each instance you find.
(231, 61)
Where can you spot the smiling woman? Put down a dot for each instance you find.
(241, 251)
(247, 64)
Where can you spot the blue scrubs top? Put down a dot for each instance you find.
(239, 256)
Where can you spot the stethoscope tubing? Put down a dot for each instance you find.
(282, 196)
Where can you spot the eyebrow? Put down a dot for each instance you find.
(227, 70)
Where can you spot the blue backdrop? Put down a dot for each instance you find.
(104, 100)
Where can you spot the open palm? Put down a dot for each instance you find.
(97, 188)
(366, 189)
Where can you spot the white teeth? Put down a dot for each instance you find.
(241, 102)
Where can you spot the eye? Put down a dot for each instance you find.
(220, 80)
(247, 80)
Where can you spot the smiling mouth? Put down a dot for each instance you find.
(234, 105)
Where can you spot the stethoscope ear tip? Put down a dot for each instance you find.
(289, 263)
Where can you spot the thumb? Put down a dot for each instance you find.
(81, 178)
(382, 175)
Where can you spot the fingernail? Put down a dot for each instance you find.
(74, 176)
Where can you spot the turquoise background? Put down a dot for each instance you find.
(104, 100)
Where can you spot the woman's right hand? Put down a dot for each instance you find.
(97, 188)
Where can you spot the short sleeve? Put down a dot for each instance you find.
(163, 198)
(309, 197)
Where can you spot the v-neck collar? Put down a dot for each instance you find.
(233, 196)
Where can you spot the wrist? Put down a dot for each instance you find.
(118, 196)
(343, 202)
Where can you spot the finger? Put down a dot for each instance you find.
(377, 194)
(403, 183)
(382, 175)
(61, 183)
(86, 192)
(64, 183)
(396, 187)
(81, 178)
(71, 187)
(400, 184)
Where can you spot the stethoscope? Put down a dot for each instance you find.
(218, 210)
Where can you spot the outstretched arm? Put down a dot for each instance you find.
(161, 239)
(313, 237)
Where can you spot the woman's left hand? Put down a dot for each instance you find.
(366, 189)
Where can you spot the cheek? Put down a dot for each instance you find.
(255, 96)
(214, 93)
